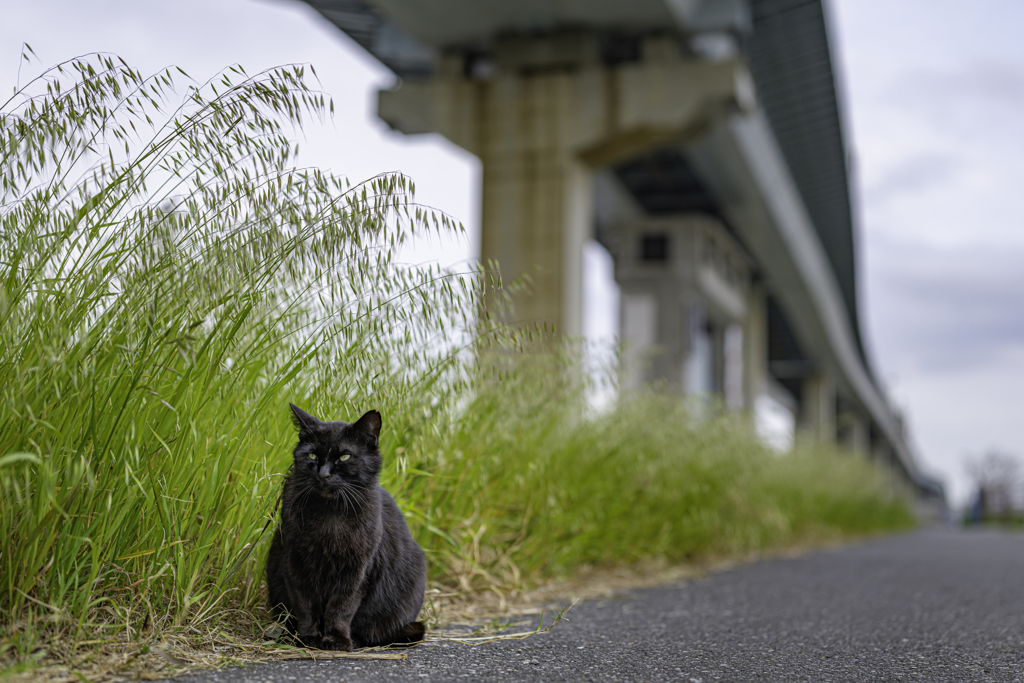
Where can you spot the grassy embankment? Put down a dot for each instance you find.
(169, 282)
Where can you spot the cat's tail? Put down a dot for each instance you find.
(411, 633)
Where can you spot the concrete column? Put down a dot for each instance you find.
(655, 325)
(698, 369)
(638, 322)
(537, 203)
(755, 347)
(819, 408)
(856, 433)
(673, 341)
(547, 113)
(883, 456)
(684, 287)
(733, 371)
(717, 335)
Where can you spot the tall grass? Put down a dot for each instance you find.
(526, 487)
(169, 280)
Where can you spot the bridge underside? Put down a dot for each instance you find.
(702, 148)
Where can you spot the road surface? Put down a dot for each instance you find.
(936, 605)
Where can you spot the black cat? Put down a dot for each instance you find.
(342, 563)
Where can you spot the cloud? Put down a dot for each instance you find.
(912, 176)
(936, 100)
(984, 83)
(974, 100)
(938, 161)
(945, 308)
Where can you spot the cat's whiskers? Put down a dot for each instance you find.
(344, 490)
(302, 495)
(359, 493)
(339, 494)
(352, 496)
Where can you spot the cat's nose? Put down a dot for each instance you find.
(325, 470)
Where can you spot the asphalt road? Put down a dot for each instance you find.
(932, 606)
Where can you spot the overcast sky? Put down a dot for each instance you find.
(934, 94)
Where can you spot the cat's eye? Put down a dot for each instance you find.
(312, 456)
(344, 457)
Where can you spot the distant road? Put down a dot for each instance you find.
(931, 606)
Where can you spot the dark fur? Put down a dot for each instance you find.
(342, 564)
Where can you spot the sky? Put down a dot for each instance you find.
(934, 97)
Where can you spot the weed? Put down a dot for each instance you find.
(169, 281)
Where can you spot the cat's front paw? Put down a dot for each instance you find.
(336, 643)
(310, 640)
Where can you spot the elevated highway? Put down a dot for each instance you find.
(701, 142)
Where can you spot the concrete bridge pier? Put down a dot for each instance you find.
(853, 431)
(684, 285)
(755, 348)
(537, 200)
(657, 96)
(542, 113)
(818, 419)
(537, 206)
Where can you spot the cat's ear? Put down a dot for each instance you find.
(304, 422)
(369, 424)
